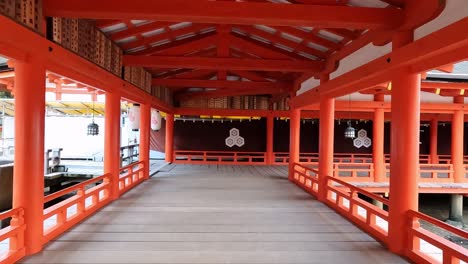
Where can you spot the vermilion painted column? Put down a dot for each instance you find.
(169, 138)
(326, 138)
(378, 144)
(112, 141)
(294, 137)
(28, 182)
(404, 167)
(326, 141)
(145, 127)
(269, 140)
(433, 141)
(457, 141)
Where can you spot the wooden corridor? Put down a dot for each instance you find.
(216, 214)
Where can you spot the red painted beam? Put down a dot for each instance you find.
(222, 63)
(252, 48)
(445, 85)
(186, 48)
(224, 93)
(276, 38)
(201, 11)
(448, 45)
(280, 86)
(177, 46)
(137, 30)
(168, 34)
(249, 75)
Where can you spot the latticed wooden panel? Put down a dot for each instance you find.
(29, 13)
(8, 8)
(26, 12)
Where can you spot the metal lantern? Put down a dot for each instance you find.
(93, 129)
(350, 132)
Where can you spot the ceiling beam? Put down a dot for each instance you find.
(279, 86)
(225, 93)
(167, 34)
(446, 46)
(222, 63)
(176, 46)
(221, 12)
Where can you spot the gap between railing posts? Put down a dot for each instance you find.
(74, 204)
(12, 237)
(423, 241)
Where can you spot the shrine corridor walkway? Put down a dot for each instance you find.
(216, 214)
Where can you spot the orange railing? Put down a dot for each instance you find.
(436, 173)
(306, 178)
(219, 157)
(78, 202)
(282, 158)
(12, 236)
(344, 198)
(352, 158)
(130, 176)
(424, 242)
(355, 172)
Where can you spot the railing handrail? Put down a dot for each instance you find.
(307, 168)
(131, 165)
(459, 232)
(76, 187)
(357, 189)
(215, 151)
(11, 213)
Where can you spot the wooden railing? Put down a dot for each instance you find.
(436, 173)
(130, 176)
(306, 178)
(78, 202)
(448, 252)
(13, 235)
(219, 157)
(344, 198)
(355, 172)
(282, 158)
(352, 158)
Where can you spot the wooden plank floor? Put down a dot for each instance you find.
(216, 214)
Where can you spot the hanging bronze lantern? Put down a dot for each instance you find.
(93, 128)
(350, 132)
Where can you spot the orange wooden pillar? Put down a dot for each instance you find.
(457, 141)
(378, 146)
(169, 138)
(433, 141)
(404, 167)
(145, 128)
(28, 182)
(294, 138)
(112, 141)
(269, 140)
(326, 138)
(326, 141)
